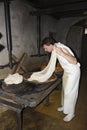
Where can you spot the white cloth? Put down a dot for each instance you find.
(70, 82)
(13, 79)
(45, 74)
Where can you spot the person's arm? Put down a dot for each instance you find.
(65, 53)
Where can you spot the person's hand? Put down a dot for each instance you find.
(58, 50)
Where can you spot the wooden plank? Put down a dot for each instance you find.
(19, 65)
(10, 105)
(8, 100)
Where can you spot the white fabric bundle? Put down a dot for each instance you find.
(13, 79)
(45, 74)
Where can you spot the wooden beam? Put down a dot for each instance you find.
(62, 8)
(19, 65)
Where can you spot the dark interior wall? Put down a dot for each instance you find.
(72, 35)
(84, 52)
(24, 31)
(64, 25)
(74, 39)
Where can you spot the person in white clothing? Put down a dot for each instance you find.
(70, 78)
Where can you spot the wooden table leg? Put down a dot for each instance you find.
(47, 101)
(19, 117)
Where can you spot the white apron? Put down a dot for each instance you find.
(70, 82)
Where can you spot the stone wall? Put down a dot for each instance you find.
(24, 33)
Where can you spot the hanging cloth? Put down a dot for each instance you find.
(45, 74)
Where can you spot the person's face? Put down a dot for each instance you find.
(48, 48)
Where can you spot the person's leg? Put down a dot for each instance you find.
(69, 117)
(70, 100)
(62, 101)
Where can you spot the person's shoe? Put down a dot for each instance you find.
(60, 109)
(69, 117)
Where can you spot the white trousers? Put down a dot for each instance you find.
(70, 87)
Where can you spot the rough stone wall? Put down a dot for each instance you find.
(24, 32)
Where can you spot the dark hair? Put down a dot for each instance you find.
(48, 41)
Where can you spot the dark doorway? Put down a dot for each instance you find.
(84, 52)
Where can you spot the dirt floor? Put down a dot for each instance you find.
(46, 117)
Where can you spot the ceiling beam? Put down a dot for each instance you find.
(82, 6)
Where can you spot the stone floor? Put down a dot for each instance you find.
(46, 117)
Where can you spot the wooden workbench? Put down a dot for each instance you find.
(21, 96)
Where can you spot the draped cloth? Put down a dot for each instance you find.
(45, 74)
